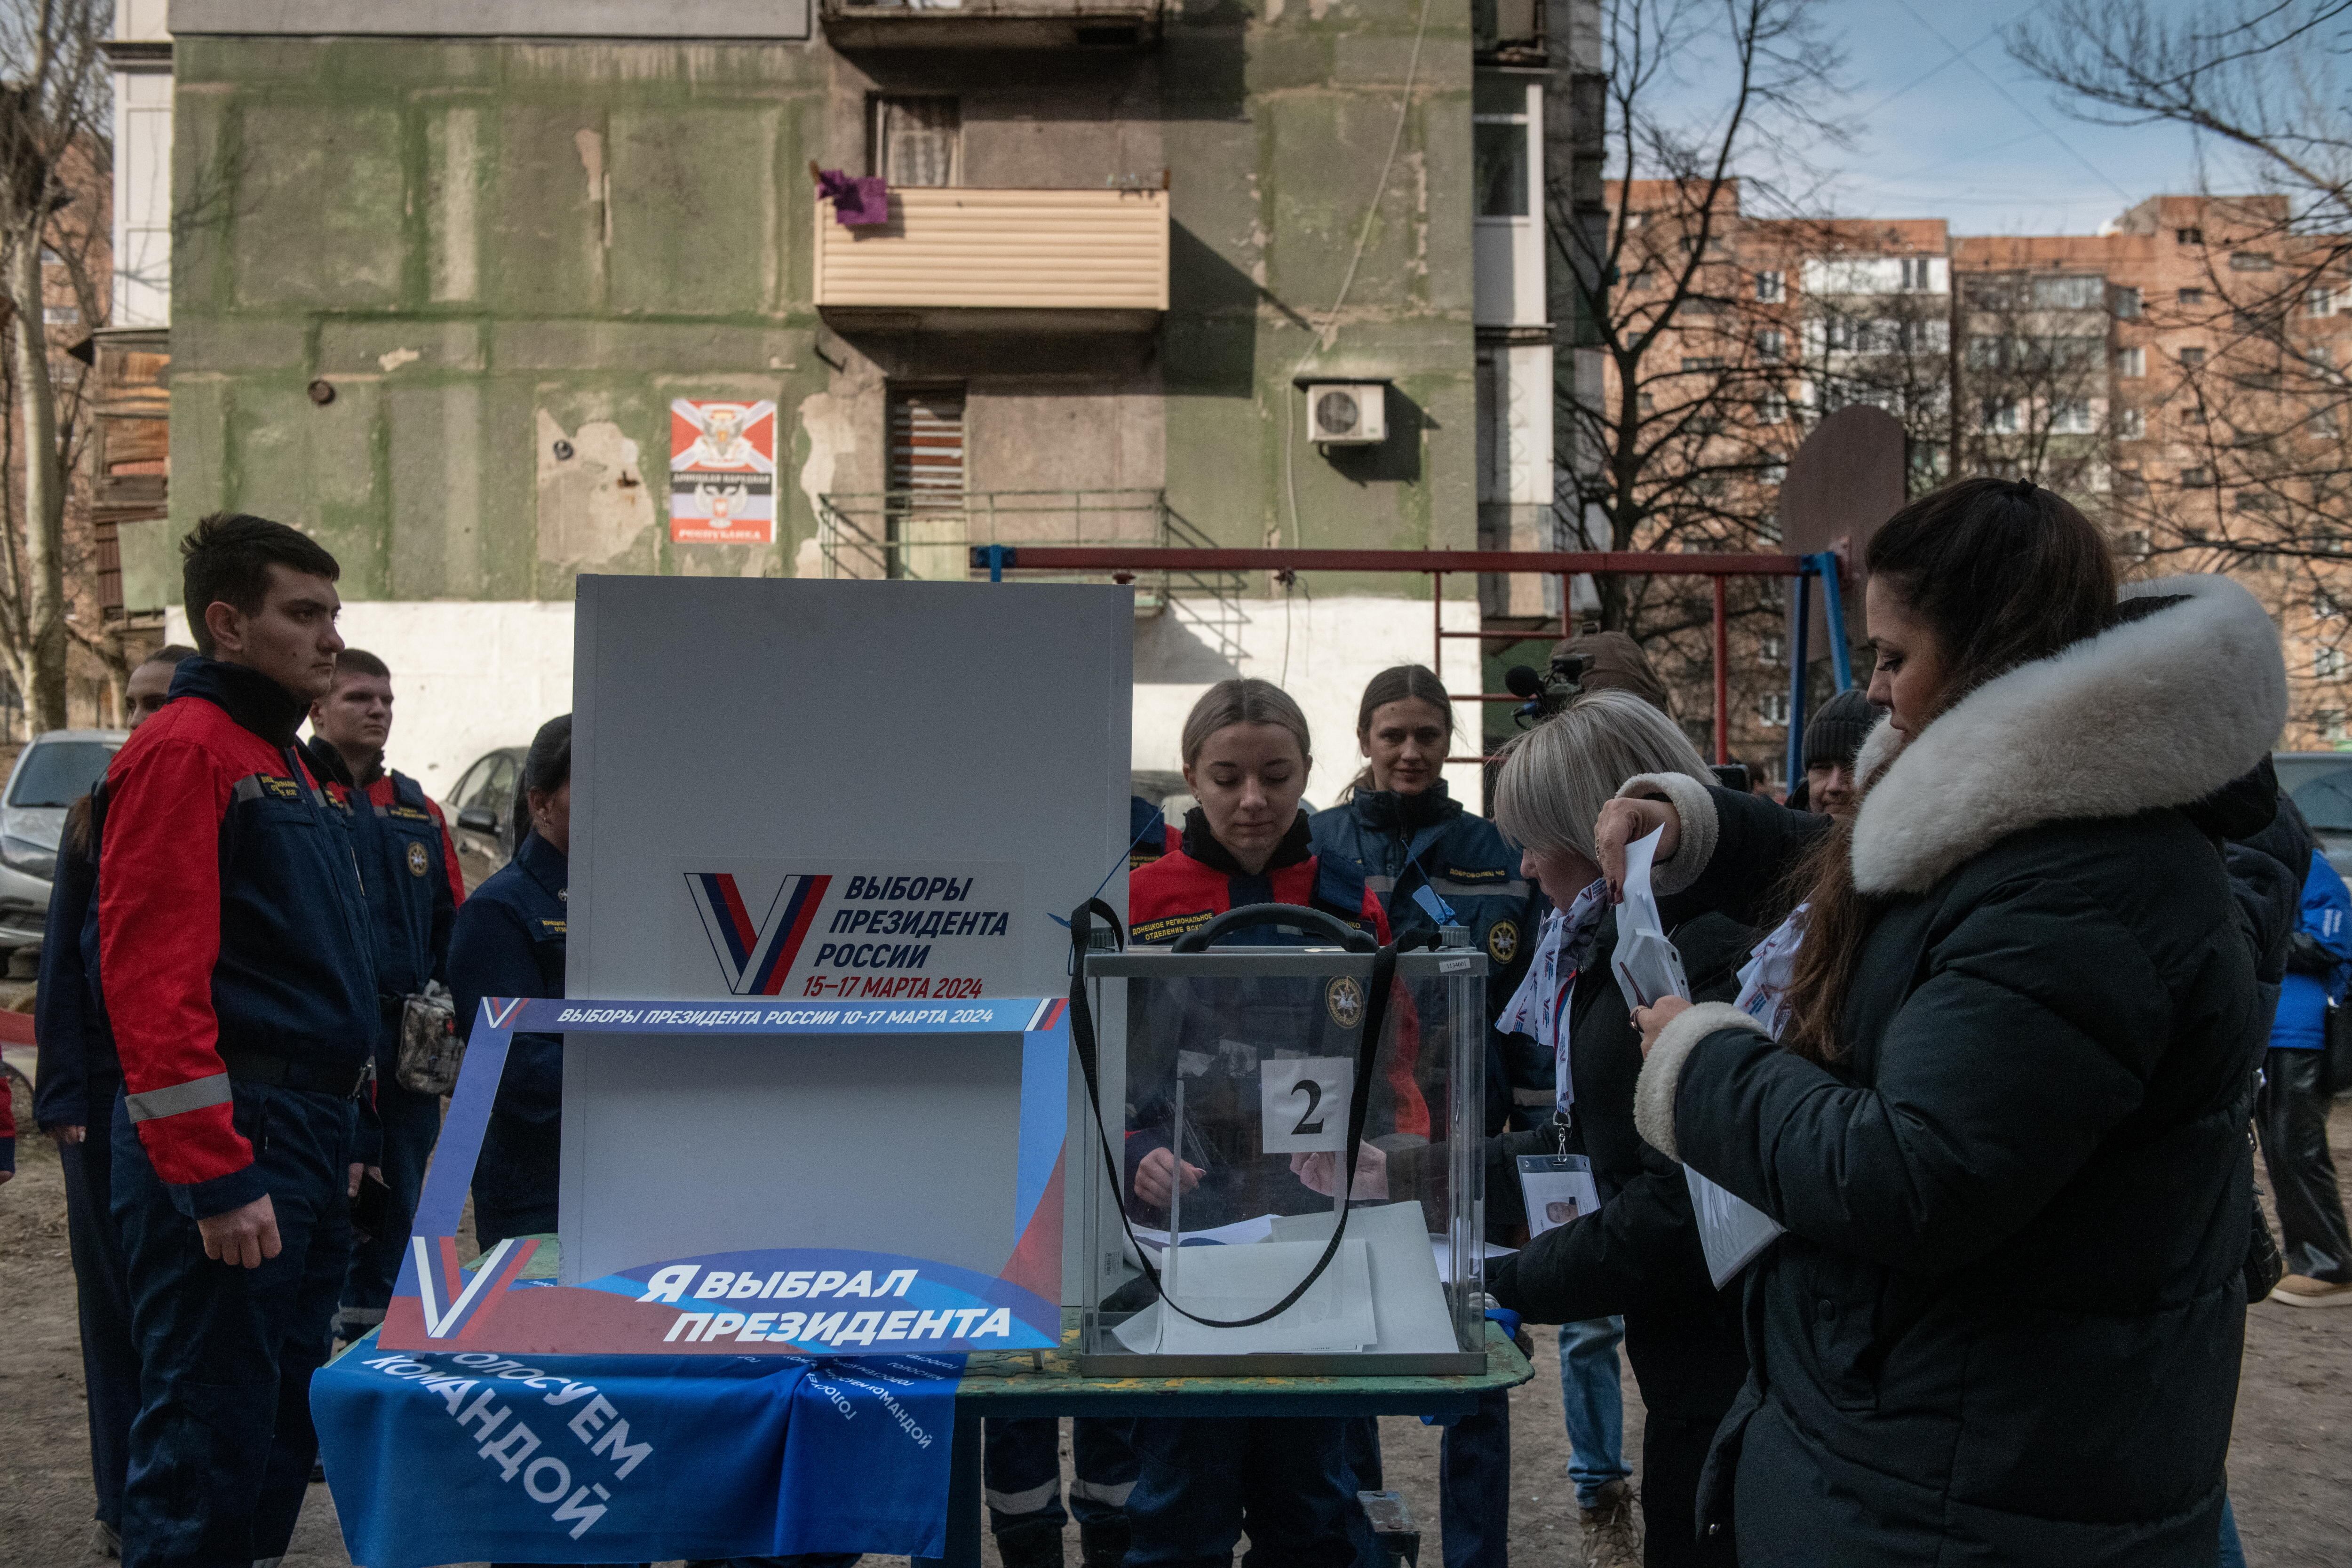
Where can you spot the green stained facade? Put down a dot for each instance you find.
(431, 299)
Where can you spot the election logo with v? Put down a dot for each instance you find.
(755, 960)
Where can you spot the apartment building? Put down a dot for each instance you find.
(471, 291)
(2181, 376)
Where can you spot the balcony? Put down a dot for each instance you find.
(953, 259)
(928, 536)
(990, 23)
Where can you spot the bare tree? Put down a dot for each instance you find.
(1696, 90)
(53, 142)
(2253, 473)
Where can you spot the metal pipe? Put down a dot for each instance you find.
(1620, 562)
(1722, 679)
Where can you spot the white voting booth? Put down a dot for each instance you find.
(878, 794)
(820, 1094)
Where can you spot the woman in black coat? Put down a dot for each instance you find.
(2005, 1126)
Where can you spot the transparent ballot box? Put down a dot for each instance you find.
(1249, 1063)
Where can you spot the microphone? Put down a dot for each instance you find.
(1523, 681)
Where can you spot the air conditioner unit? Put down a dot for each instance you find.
(1348, 412)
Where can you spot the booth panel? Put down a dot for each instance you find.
(934, 1154)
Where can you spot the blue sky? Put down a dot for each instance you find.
(1937, 138)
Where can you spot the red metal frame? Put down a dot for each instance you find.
(1565, 565)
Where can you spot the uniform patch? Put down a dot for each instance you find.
(1502, 941)
(1344, 999)
(1161, 932)
(417, 861)
(1479, 873)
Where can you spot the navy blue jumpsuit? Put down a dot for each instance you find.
(79, 1080)
(508, 942)
(409, 870)
(1400, 843)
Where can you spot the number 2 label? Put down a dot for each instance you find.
(1305, 1103)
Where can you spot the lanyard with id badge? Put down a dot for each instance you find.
(1558, 1190)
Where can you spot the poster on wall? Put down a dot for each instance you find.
(722, 471)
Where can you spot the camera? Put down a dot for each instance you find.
(1546, 694)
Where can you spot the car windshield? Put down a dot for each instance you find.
(2325, 797)
(59, 773)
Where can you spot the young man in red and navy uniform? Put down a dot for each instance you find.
(237, 968)
(410, 870)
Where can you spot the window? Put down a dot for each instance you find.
(2073, 353)
(2123, 302)
(1771, 288)
(1991, 293)
(2131, 362)
(56, 773)
(49, 257)
(1499, 155)
(1703, 305)
(2196, 477)
(1773, 409)
(1773, 707)
(60, 315)
(2248, 260)
(1773, 473)
(1702, 361)
(1917, 273)
(2131, 424)
(1774, 649)
(2189, 296)
(917, 141)
(2068, 293)
(2185, 235)
(2071, 416)
(1771, 344)
(2191, 358)
(1985, 353)
(1637, 218)
(2254, 500)
(2325, 606)
(2320, 302)
(2134, 544)
(1998, 415)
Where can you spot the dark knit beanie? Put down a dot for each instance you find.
(1838, 728)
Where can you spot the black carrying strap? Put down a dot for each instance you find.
(1082, 1041)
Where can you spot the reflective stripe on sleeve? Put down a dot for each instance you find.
(1022, 1503)
(193, 1095)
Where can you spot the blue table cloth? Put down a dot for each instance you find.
(436, 1457)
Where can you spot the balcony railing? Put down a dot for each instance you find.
(960, 258)
(990, 23)
(924, 535)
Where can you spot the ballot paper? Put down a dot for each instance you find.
(1234, 1283)
(1241, 1232)
(1731, 1231)
(1646, 965)
(1380, 1294)
(1408, 1304)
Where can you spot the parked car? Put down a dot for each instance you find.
(2320, 784)
(481, 813)
(51, 773)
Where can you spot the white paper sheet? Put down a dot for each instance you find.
(1409, 1303)
(1646, 965)
(1230, 1283)
(1731, 1230)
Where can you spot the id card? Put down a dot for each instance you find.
(1559, 1189)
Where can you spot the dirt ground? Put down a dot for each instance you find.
(2289, 1464)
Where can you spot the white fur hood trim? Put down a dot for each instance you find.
(2162, 711)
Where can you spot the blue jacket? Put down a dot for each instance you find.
(410, 870)
(509, 941)
(2313, 981)
(233, 931)
(80, 1075)
(1402, 842)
